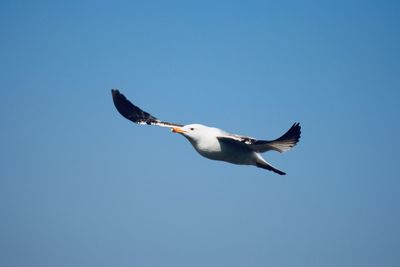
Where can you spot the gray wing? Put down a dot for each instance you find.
(233, 140)
(237, 139)
(282, 144)
(135, 114)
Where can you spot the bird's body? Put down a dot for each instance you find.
(214, 143)
(206, 142)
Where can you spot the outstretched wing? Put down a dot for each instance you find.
(135, 114)
(282, 144)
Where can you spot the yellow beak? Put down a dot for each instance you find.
(178, 130)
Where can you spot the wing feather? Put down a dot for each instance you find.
(135, 114)
(282, 144)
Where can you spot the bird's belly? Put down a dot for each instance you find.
(231, 154)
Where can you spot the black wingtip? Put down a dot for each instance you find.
(114, 91)
(129, 110)
(294, 132)
(116, 94)
(298, 130)
(123, 105)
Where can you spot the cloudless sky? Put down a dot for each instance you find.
(82, 186)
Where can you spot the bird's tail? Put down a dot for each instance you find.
(262, 163)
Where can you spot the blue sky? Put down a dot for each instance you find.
(82, 186)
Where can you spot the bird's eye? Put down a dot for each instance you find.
(191, 129)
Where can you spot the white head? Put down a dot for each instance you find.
(196, 132)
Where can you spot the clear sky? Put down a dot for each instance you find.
(82, 186)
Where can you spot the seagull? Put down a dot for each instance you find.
(214, 143)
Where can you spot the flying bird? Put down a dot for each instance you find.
(214, 143)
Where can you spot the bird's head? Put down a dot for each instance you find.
(193, 132)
